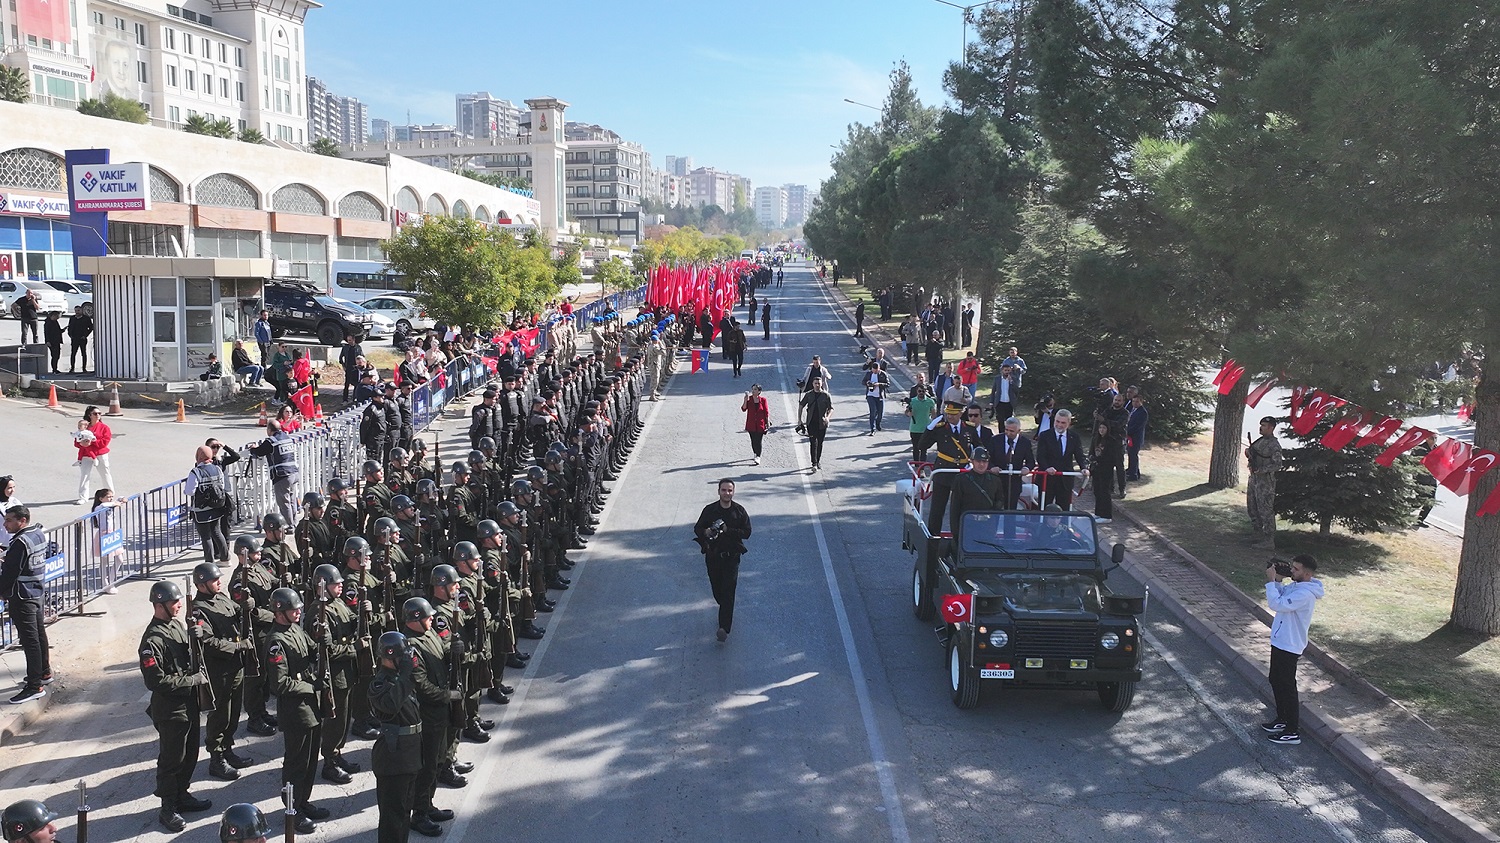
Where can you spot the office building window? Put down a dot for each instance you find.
(223, 54)
(140, 72)
(239, 91)
(169, 37)
(225, 243)
(187, 43)
(187, 80)
(224, 88)
(140, 35)
(239, 57)
(120, 24)
(171, 75)
(174, 114)
(98, 18)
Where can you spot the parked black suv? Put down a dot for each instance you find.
(301, 308)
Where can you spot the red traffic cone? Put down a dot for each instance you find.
(261, 422)
(181, 411)
(318, 414)
(52, 395)
(114, 401)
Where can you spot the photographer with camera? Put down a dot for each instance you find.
(1293, 604)
(721, 531)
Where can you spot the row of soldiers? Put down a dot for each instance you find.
(390, 610)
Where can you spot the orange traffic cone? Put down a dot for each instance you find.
(52, 395)
(114, 401)
(181, 411)
(318, 414)
(261, 422)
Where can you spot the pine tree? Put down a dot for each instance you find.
(1324, 487)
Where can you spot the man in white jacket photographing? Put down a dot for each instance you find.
(1293, 604)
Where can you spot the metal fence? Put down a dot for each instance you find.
(138, 534)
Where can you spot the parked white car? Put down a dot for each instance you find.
(49, 299)
(78, 293)
(402, 310)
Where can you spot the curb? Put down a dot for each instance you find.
(1412, 796)
(11, 724)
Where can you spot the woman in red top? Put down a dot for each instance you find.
(288, 419)
(93, 452)
(301, 368)
(757, 418)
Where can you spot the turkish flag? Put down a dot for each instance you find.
(1314, 408)
(1260, 392)
(1381, 433)
(1491, 504)
(1405, 442)
(1298, 393)
(957, 608)
(45, 19)
(303, 398)
(1224, 371)
(1230, 378)
(1345, 429)
(1447, 457)
(1461, 480)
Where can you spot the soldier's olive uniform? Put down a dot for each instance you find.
(397, 755)
(497, 597)
(226, 668)
(256, 582)
(174, 706)
(316, 541)
(448, 623)
(374, 591)
(343, 519)
(463, 513)
(281, 556)
(292, 662)
(343, 627)
(377, 500)
(1260, 497)
(430, 682)
(973, 491)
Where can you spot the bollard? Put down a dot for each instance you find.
(181, 411)
(82, 829)
(261, 422)
(52, 396)
(114, 401)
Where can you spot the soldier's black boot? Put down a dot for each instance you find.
(515, 660)
(422, 824)
(237, 761)
(449, 778)
(190, 804)
(334, 773)
(473, 733)
(496, 695)
(170, 819)
(345, 764)
(220, 768)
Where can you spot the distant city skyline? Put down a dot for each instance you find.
(766, 103)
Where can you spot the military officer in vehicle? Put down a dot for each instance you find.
(291, 667)
(975, 489)
(173, 681)
(430, 682)
(224, 646)
(397, 755)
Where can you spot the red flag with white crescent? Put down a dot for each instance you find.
(1446, 457)
(1405, 442)
(957, 608)
(1461, 480)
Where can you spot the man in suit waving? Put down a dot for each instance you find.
(1012, 452)
(1058, 451)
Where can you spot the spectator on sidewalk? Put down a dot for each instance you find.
(263, 337)
(21, 586)
(920, 408)
(93, 453)
(52, 334)
(1107, 459)
(968, 324)
(104, 522)
(8, 499)
(1293, 604)
(80, 328)
(350, 353)
(208, 496)
(214, 370)
(27, 308)
(1013, 358)
(968, 373)
(934, 353)
(1003, 394)
(1135, 431)
(239, 360)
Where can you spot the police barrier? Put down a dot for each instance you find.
(135, 535)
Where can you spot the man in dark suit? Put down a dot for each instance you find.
(1057, 451)
(1003, 395)
(1012, 452)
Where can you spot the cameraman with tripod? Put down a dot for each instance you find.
(721, 532)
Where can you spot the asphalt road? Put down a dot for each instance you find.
(824, 716)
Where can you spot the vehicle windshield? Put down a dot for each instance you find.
(1063, 535)
(330, 300)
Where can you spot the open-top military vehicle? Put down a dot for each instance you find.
(1024, 602)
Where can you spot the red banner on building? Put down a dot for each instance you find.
(45, 19)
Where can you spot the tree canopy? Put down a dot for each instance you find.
(115, 107)
(470, 274)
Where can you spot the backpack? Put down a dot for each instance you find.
(208, 495)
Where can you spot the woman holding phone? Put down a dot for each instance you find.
(757, 418)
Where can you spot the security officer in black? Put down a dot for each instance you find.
(392, 422)
(291, 667)
(430, 683)
(21, 821)
(166, 667)
(404, 411)
(243, 823)
(483, 418)
(316, 540)
(463, 505)
(397, 755)
(278, 554)
(376, 496)
(341, 513)
(343, 629)
(251, 588)
(512, 417)
(224, 647)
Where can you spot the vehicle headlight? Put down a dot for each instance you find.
(999, 638)
(1109, 640)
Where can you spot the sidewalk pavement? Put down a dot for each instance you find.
(1340, 709)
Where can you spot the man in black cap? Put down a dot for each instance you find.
(483, 418)
(374, 429)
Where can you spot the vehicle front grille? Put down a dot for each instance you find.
(1073, 639)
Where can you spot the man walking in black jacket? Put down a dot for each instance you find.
(721, 532)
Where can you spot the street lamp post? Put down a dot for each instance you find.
(967, 10)
(861, 104)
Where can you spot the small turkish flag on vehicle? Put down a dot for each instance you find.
(958, 608)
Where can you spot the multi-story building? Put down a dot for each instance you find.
(342, 119)
(770, 206)
(356, 120)
(239, 60)
(707, 186)
(679, 165)
(380, 129)
(603, 181)
(481, 115)
(664, 187)
(798, 203)
(743, 193)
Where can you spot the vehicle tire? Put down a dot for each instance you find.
(88, 309)
(921, 595)
(330, 333)
(1116, 696)
(963, 680)
(403, 325)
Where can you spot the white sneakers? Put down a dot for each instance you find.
(755, 461)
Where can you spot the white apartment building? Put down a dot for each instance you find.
(603, 181)
(342, 119)
(707, 186)
(664, 187)
(770, 206)
(798, 203)
(679, 165)
(240, 60)
(481, 115)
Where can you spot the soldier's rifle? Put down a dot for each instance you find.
(386, 573)
(483, 675)
(366, 661)
(456, 651)
(323, 636)
(196, 666)
(248, 657)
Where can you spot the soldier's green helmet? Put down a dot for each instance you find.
(465, 551)
(356, 545)
(314, 500)
(285, 600)
(444, 574)
(393, 645)
(401, 502)
(487, 528)
(242, 822)
(370, 467)
(508, 509)
(327, 575)
(246, 544)
(386, 524)
(22, 818)
(272, 521)
(417, 608)
(206, 572)
(165, 591)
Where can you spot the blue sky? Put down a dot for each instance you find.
(753, 88)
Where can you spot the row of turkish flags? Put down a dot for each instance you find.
(712, 287)
(1457, 465)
